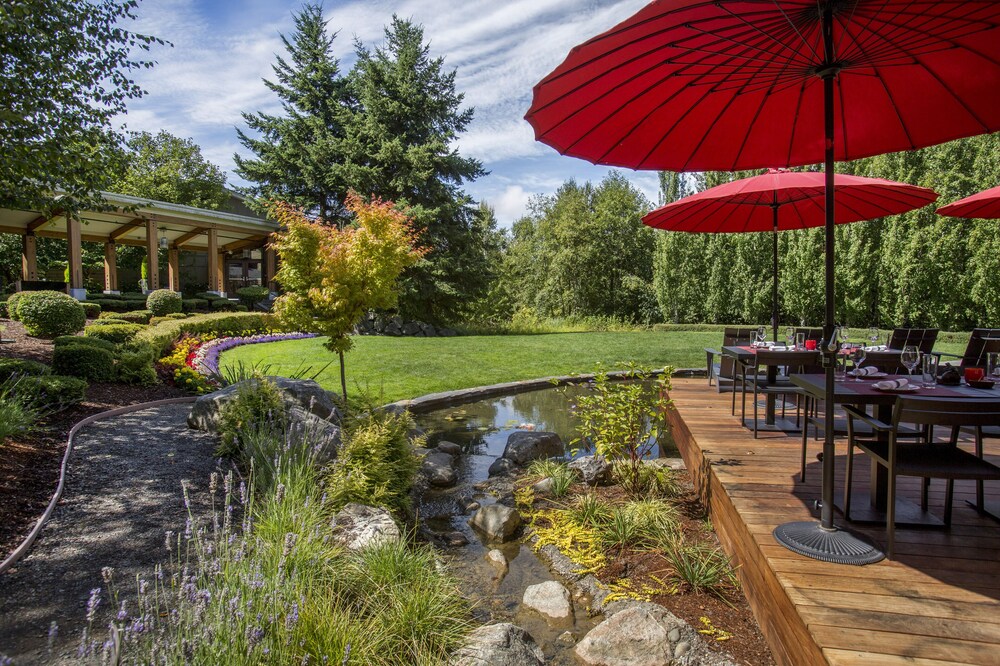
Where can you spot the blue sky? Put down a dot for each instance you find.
(500, 49)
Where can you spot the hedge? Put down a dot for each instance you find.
(50, 313)
(160, 337)
(12, 302)
(56, 391)
(136, 367)
(21, 366)
(163, 302)
(223, 304)
(91, 309)
(69, 340)
(109, 305)
(192, 304)
(90, 363)
(132, 317)
(108, 297)
(118, 333)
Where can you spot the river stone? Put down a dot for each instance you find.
(303, 393)
(636, 636)
(497, 559)
(595, 470)
(451, 448)
(550, 599)
(501, 467)
(501, 644)
(497, 522)
(523, 447)
(357, 526)
(319, 434)
(437, 467)
(543, 487)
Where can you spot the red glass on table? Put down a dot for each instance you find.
(810, 345)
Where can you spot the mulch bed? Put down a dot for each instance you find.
(29, 466)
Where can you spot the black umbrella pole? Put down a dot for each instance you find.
(774, 281)
(831, 355)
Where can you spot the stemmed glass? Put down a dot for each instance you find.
(910, 358)
(858, 357)
(762, 335)
(873, 335)
(790, 336)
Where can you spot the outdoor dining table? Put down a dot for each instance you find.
(745, 355)
(863, 393)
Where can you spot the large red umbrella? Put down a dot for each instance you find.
(783, 200)
(984, 205)
(739, 84)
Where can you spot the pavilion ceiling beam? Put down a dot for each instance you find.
(243, 244)
(42, 220)
(124, 229)
(184, 238)
(90, 238)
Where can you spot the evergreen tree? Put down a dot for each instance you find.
(400, 148)
(299, 155)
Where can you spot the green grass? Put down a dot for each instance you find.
(399, 368)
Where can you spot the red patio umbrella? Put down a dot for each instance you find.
(738, 84)
(782, 200)
(984, 205)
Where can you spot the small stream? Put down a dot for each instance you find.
(482, 429)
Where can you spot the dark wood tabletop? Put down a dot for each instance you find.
(853, 392)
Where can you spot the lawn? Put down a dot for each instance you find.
(397, 368)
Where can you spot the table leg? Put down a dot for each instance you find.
(769, 410)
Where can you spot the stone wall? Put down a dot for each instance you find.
(376, 324)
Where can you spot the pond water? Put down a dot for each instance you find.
(482, 429)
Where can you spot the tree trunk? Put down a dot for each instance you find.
(343, 378)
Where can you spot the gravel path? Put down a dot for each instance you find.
(123, 491)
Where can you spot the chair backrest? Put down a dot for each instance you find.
(946, 412)
(811, 333)
(885, 361)
(732, 337)
(923, 338)
(975, 351)
(795, 361)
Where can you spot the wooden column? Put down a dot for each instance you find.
(110, 267)
(29, 263)
(213, 261)
(152, 255)
(221, 276)
(270, 268)
(74, 255)
(173, 269)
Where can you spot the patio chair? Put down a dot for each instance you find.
(811, 334)
(724, 372)
(927, 460)
(790, 361)
(977, 348)
(922, 338)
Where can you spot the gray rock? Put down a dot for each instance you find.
(303, 393)
(550, 599)
(594, 470)
(439, 470)
(447, 332)
(497, 559)
(470, 505)
(681, 649)
(305, 428)
(451, 448)
(357, 526)
(501, 467)
(543, 487)
(566, 638)
(636, 636)
(497, 522)
(502, 644)
(411, 328)
(428, 330)
(523, 446)
(456, 539)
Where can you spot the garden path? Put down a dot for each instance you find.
(123, 492)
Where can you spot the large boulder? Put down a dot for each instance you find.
(303, 393)
(594, 470)
(640, 635)
(502, 644)
(451, 448)
(497, 522)
(357, 526)
(322, 436)
(501, 467)
(550, 599)
(438, 468)
(523, 446)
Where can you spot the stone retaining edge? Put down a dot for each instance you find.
(25, 545)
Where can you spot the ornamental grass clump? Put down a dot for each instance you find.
(561, 475)
(20, 409)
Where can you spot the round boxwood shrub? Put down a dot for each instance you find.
(91, 309)
(12, 302)
(117, 333)
(133, 317)
(90, 363)
(224, 305)
(21, 366)
(164, 301)
(49, 314)
(251, 296)
(66, 340)
(55, 391)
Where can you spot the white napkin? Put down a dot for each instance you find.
(779, 348)
(865, 371)
(889, 384)
(876, 348)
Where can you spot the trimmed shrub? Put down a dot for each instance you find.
(56, 391)
(251, 296)
(242, 308)
(90, 363)
(111, 305)
(12, 302)
(109, 297)
(134, 296)
(240, 323)
(21, 366)
(136, 367)
(224, 305)
(192, 304)
(91, 309)
(133, 317)
(163, 302)
(69, 340)
(176, 315)
(118, 333)
(49, 314)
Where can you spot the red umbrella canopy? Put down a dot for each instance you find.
(690, 85)
(748, 204)
(984, 205)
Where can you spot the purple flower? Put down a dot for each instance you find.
(92, 603)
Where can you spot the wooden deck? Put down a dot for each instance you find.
(937, 604)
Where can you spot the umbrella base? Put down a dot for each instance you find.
(809, 538)
(908, 514)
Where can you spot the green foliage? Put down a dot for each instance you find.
(12, 302)
(192, 304)
(132, 317)
(55, 392)
(168, 168)
(251, 296)
(20, 412)
(176, 315)
(638, 524)
(50, 313)
(116, 333)
(110, 305)
(13, 367)
(624, 419)
(84, 361)
(649, 480)
(703, 567)
(69, 340)
(91, 309)
(3, 310)
(562, 476)
(375, 464)
(162, 302)
(257, 412)
(159, 338)
(223, 305)
(67, 75)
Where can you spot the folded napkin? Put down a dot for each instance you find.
(865, 371)
(876, 348)
(779, 348)
(889, 384)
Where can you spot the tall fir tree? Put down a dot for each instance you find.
(299, 155)
(400, 148)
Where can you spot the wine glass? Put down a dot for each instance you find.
(910, 358)
(790, 336)
(858, 357)
(873, 335)
(762, 334)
